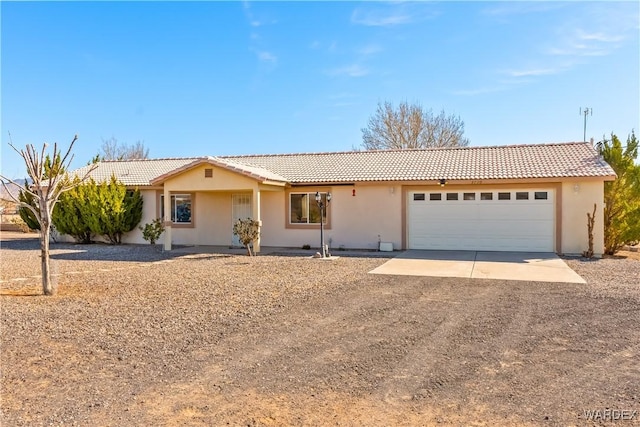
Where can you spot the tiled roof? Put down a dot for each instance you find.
(255, 172)
(134, 172)
(469, 163)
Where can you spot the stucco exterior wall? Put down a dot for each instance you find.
(212, 223)
(221, 180)
(375, 213)
(578, 198)
(355, 221)
(148, 215)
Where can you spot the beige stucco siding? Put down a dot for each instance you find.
(222, 180)
(213, 219)
(148, 215)
(374, 213)
(578, 198)
(355, 221)
(377, 211)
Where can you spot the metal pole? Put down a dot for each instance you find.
(586, 112)
(324, 254)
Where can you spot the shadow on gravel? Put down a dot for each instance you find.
(91, 252)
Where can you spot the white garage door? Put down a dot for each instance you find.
(505, 220)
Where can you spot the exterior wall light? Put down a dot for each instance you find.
(443, 182)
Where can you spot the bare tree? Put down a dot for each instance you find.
(410, 126)
(48, 183)
(113, 150)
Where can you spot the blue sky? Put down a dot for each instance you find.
(216, 78)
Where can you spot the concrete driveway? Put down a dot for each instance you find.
(528, 266)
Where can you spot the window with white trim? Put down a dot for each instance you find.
(303, 208)
(180, 208)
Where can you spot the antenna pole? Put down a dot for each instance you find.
(586, 111)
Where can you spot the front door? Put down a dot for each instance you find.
(240, 209)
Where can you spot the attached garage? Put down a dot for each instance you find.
(488, 220)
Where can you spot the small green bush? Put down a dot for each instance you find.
(151, 231)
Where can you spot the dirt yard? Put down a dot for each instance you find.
(136, 336)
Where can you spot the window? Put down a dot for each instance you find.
(435, 196)
(418, 196)
(469, 196)
(522, 195)
(504, 196)
(486, 196)
(180, 208)
(540, 195)
(452, 196)
(303, 208)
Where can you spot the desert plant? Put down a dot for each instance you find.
(247, 231)
(591, 219)
(151, 231)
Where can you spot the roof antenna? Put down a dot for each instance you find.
(587, 112)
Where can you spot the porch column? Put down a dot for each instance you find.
(167, 220)
(256, 217)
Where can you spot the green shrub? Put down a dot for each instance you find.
(26, 214)
(107, 209)
(151, 231)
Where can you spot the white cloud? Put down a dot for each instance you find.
(257, 44)
(329, 47)
(599, 36)
(579, 32)
(532, 72)
(577, 42)
(370, 49)
(478, 91)
(379, 18)
(521, 8)
(267, 57)
(343, 95)
(252, 19)
(353, 70)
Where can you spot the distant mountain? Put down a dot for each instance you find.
(13, 189)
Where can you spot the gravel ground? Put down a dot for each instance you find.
(136, 336)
